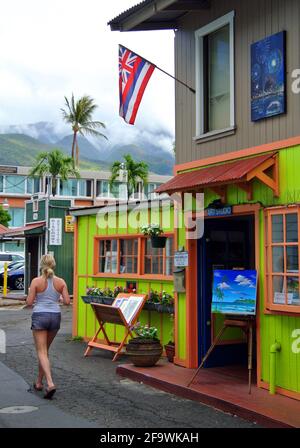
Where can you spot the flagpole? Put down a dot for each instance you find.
(163, 71)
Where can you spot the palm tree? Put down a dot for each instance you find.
(135, 171)
(54, 164)
(79, 114)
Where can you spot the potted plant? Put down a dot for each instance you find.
(145, 349)
(153, 301)
(166, 304)
(154, 231)
(170, 346)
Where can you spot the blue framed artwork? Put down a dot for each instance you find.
(234, 292)
(268, 77)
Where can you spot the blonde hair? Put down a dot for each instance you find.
(48, 265)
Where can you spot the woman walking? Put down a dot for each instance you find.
(46, 291)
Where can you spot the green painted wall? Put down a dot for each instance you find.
(64, 254)
(87, 230)
(272, 327)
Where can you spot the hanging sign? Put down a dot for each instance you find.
(225, 211)
(69, 223)
(55, 231)
(181, 259)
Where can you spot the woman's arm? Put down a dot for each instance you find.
(65, 294)
(31, 294)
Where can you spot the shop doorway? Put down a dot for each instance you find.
(228, 243)
(32, 254)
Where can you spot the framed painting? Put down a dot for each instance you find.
(268, 77)
(234, 292)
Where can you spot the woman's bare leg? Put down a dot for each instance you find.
(50, 336)
(41, 344)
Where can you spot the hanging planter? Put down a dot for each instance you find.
(154, 231)
(158, 242)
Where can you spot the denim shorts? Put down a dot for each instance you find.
(45, 321)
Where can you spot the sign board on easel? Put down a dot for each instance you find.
(124, 311)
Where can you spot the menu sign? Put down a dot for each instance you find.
(55, 232)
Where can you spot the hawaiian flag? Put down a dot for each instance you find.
(134, 74)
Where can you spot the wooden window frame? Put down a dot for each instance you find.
(168, 235)
(201, 104)
(269, 274)
(140, 262)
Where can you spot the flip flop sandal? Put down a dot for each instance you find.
(49, 393)
(38, 389)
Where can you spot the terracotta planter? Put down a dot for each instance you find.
(144, 352)
(170, 351)
(158, 242)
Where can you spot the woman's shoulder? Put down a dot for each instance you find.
(58, 280)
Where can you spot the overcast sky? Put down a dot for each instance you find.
(51, 48)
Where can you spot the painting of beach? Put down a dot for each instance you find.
(234, 292)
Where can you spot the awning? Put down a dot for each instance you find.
(156, 14)
(217, 177)
(21, 232)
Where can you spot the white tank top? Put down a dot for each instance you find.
(48, 300)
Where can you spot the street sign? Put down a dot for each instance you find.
(55, 227)
(181, 259)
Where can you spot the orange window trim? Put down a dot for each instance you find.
(271, 307)
(140, 256)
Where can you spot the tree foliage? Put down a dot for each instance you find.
(54, 164)
(136, 171)
(5, 217)
(79, 114)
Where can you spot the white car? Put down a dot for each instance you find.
(6, 257)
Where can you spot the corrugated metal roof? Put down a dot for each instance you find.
(153, 15)
(19, 231)
(225, 173)
(123, 15)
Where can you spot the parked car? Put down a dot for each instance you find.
(15, 276)
(6, 257)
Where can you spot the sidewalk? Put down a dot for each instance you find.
(222, 388)
(43, 414)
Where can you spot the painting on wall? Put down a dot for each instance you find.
(268, 77)
(234, 292)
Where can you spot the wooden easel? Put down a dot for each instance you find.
(113, 315)
(246, 324)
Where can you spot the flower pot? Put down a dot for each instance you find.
(162, 308)
(107, 300)
(98, 299)
(150, 306)
(144, 352)
(158, 242)
(92, 299)
(170, 351)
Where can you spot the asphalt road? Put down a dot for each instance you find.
(89, 387)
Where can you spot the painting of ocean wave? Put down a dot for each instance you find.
(234, 292)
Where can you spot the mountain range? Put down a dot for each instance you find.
(19, 145)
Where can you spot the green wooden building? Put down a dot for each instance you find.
(110, 251)
(45, 232)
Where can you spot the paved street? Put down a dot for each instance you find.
(88, 388)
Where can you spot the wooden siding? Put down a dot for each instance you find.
(85, 323)
(254, 21)
(272, 327)
(63, 254)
